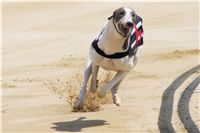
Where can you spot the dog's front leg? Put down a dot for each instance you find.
(93, 85)
(115, 97)
(87, 74)
(117, 78)
(113, 86)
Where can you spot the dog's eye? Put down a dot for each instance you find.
(122, 13)
(133, 15)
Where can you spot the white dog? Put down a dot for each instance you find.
(116, 48)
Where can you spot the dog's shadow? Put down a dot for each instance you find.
(77, 125)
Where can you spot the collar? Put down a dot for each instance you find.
(112, 56)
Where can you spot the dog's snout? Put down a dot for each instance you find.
(129, 24)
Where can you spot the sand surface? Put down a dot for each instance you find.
(45, 46)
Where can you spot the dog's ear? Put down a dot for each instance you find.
(110, 17)
(135, 18)
(134, 15)
(113, 15)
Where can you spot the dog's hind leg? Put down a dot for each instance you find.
(93, 85)
(87, 74)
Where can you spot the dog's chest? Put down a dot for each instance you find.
(123, 64)
(117, 64)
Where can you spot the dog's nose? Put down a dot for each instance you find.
(129, 24)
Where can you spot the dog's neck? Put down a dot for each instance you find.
(111, 41)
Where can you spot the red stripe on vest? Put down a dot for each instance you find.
(138, 35)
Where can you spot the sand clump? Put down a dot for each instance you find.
(93, 102)
(68, 91)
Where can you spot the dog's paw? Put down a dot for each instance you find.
(77, 106)
(116, 99)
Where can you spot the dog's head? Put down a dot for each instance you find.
(123, 20)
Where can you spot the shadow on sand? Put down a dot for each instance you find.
(166, 109)
(78, 124)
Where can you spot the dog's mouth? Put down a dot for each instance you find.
(124, 29)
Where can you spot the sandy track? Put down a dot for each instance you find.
(44, 42)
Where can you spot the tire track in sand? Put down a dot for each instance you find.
(166, 109)
(183, 107)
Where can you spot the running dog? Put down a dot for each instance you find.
(116, 48)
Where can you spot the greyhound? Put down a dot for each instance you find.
(116, 48)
